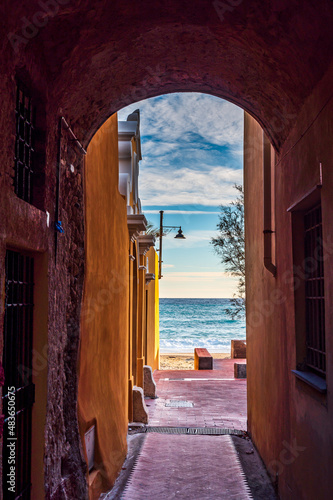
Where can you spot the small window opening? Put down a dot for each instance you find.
(24, 145)
(314, 291)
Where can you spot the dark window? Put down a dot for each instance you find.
(314, 291)
(25, 145)
(18, 393)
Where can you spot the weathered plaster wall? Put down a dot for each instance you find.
(103, 367)
(291, 423)
(24, 227)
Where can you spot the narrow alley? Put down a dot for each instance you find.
(83, 184)
(195, 445)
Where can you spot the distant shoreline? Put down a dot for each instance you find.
(195, 298)
(213, 352)
(216, 355)
(184, 361)
(188, 323)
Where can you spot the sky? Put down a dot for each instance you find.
(192, 155)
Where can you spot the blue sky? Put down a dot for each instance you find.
(192, 155)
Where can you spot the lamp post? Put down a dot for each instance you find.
(179, 235)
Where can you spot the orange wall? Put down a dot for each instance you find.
(103, 366)
(284, 412)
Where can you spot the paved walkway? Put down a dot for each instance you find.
(190, 467)
(218, 399)
(187, 468)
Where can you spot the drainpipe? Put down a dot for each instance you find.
(268, 232)
(58, 171)
(62, 124)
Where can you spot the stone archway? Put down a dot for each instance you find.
(95, 59)
(89, 59)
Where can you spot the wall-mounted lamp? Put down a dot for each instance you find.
(179, 235)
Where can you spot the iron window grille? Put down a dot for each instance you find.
(24, 145)
(314, 292)
(17, 363)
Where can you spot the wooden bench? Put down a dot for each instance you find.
(238, 349)
(202, 359)
(240, 370)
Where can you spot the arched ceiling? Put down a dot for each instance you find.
(95, 57)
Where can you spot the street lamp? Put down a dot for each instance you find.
(179, 236)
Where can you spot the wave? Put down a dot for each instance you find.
(189, 323)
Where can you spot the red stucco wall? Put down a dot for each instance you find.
(291, 423)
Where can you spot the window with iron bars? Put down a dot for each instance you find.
(314, 291)
(24, 145)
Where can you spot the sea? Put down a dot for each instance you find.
(189, 323)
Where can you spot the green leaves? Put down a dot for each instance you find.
(230, 246)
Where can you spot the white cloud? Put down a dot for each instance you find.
(192, 155)
(186, 186)
(170, 119)
(186, 137)
(158, 148)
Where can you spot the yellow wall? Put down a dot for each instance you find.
(103, 366)
(157, 316)
(152, 349)
(132, 329)
(141, 322)
(119, 322)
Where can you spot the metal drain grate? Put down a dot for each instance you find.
(200, 431)
(175, 403)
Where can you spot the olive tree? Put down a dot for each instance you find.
(230, 246)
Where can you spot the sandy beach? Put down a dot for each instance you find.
(175, 361)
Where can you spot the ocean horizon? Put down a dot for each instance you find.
(189, 323)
